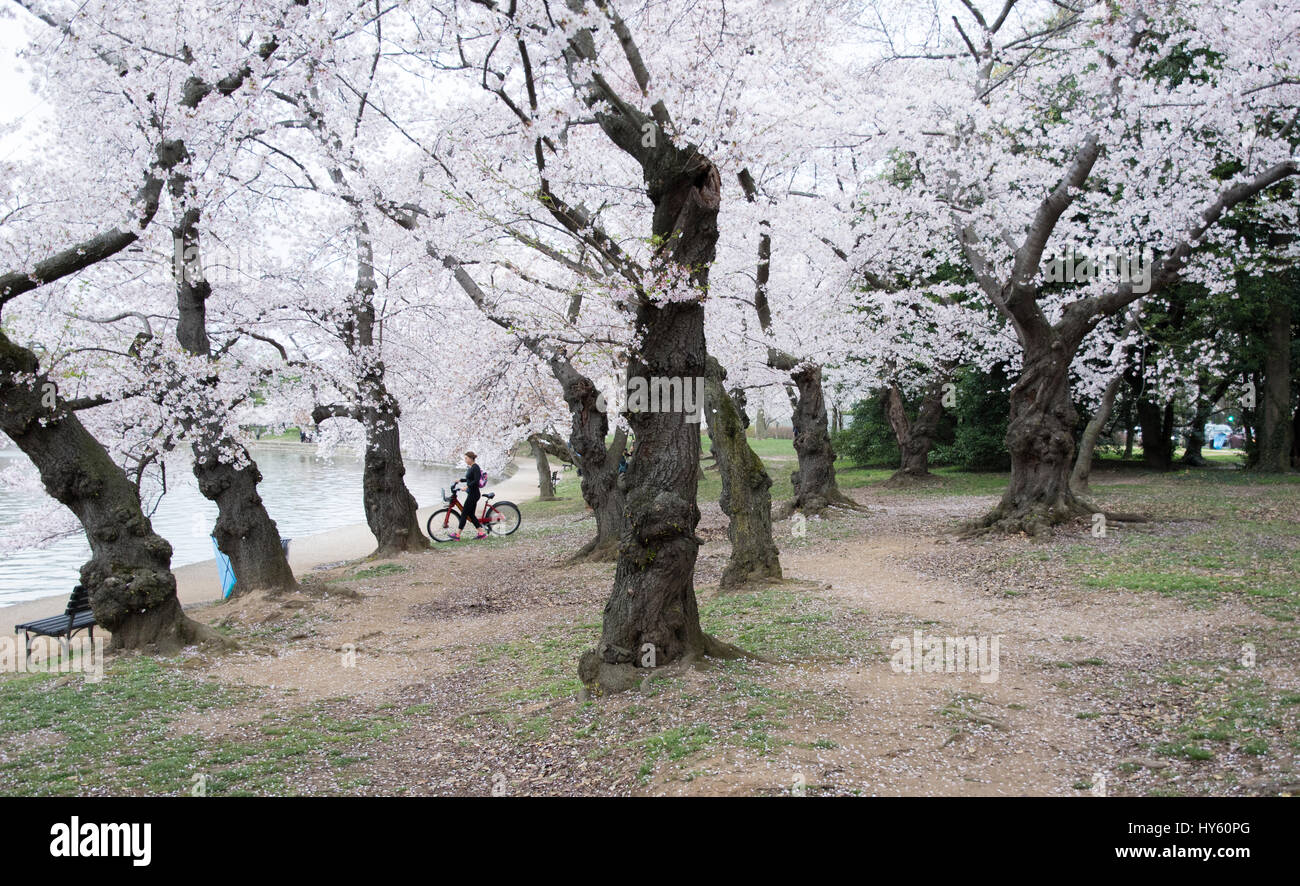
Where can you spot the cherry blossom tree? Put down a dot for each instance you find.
(1055, 124)
(114, 79)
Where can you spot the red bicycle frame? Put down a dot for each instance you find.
(453, 504)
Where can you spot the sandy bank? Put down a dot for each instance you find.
(197, 583)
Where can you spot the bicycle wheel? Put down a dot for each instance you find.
(502, 518)
(436, 528)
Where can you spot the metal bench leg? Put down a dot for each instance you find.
(27, 640)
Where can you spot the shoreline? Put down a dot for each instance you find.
(198, 584)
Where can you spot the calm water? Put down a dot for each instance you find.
(303, 494)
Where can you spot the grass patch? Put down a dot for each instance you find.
(773, 622)
(1223, 709)
(115, 736)
(381, 570)
(1258, 564)
(540, 668)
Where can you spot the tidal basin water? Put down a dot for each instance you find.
(303, 494)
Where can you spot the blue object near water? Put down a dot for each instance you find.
(225, 570)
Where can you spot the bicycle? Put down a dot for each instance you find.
(500, 517)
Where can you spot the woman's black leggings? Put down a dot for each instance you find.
(467, 510)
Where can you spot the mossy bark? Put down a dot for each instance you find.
(746, 487)
(545, 485)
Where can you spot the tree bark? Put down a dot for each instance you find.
(390, 507)
(545, 485)
(915, 439)
(1082, 472)
(1204, 408)
(223, 467)
(652, 618)
(1157, 434)
(815, 488)
(1275, 420)
(132, 590)
(746, 497)
(1040, 439)
(245, 532)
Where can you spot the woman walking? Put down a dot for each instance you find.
(473, 473)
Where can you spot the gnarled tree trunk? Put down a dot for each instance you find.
(915, 438)
(652, 618)
(597, 460)
(814, 483)
(545, 485)
(746, 497)
(223, 467)
(132, 590)
(245, 532)
(1275, 427)
(1040, 439)
(1088, 444)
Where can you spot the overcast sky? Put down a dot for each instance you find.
(16, 99)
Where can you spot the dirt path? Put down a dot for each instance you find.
(909, 733)
(471, 648)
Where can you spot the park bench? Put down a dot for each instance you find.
(75, 618)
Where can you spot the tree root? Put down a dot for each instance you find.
(1123, 517)
(595, 551)
(1039, 520)
(904, 479)
(715, 648)
(167, 635)
(816, 505)
(735, 579)
(388, 552)
(605, 678)
(1035, 520)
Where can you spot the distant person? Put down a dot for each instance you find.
(473, 473)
